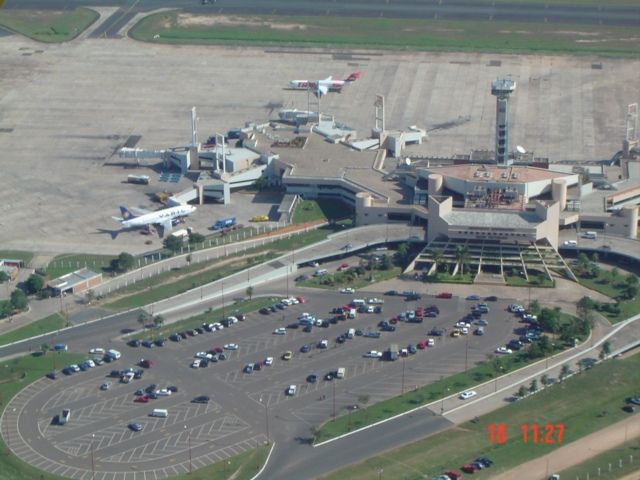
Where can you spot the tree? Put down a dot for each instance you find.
(533, 386)
(385, 262)
(595, 258)
(550, 320)
(34, 283)
(605, 350)
(462, 256)
(126, 261)
(158, 321)
(631, 279)
(534, 307)
(196, 238)
(614, 275)
(403, 254)
(90, 296)
(44, 348)
(564, 371)
(19, 300)
(522, 391)
(4, 276)
(437, 256)
(249, 291)
(544, 380)
(142, 319)
(174, 244)
(630, 291)
(583, 263)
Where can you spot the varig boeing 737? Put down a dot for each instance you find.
(164, 218)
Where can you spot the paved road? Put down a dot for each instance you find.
(445, 9)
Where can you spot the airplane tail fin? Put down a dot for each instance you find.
(353, 77)
(126, 214)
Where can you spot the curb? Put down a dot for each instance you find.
(273, 445)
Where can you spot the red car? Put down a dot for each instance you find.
(420, 312)
(393, 320)
(343, 266)
(218, 349)
(144, 363)
(468, 468)
(445, 295)
(301, 299)
(142, 399)
(422, 344)
(454, 474)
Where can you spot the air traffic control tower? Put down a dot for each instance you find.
(502, 88)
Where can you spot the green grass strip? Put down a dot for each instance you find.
(416, 34)
(45, 325)
(565, 403)
(49, 26)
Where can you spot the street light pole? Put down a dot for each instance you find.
(189, 444)
(266, 418)
(402, 388)
(93, 463)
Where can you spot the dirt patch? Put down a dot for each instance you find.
(580, 34)
(187, 20)
(519, 32)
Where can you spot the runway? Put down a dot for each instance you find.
(438, 9)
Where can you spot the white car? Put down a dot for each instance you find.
(74, 367)
(570, 243)
(464, 331)
(504, 350)
(200, 355)
(268, 361)
(285, 301)
(347, 290)
(231, 346)
(294, 300)
(280, 331)
(462, 324)
(431, 342)
(232, 320)
(323, 344)
(376, 301)
(373, 354)
(97, 351)
(468, 394)
(164, 392)
(195, 363)
(218, 326)
(292, 390)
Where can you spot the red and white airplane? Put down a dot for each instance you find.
(322, 87)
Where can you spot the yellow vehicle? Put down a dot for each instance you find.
(260, 218)
(455, 333)
(287, 355)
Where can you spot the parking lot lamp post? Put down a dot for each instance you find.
(266, 418)
(402, 387)
(189, 445)
(93, 463)
(333, 384)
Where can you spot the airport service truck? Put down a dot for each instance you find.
(393, 352)
(138, 179)
(224, 223)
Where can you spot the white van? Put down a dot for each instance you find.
(160, 412)
(591, 235)
(320, 272)
(351, 333)
(341, 372)
(358, 302)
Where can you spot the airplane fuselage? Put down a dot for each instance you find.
(159, 218)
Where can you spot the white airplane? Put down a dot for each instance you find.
(322, 87)
(166, 218)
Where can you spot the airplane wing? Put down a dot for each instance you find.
(139, 211)
(118, 219)
(329, 78)
(322, 90)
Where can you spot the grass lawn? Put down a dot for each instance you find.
(442, 277)
(483, 372)
(602, 461)
(211, 316)
(335, 280)
(63, 264)
(16, 254)
(613, 288)
(565, 403)
(418, 34)
(44, 325)
(49, 26)
(535, 281)
(18, 373)
(322, 209)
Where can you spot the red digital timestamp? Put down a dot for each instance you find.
(548, 434)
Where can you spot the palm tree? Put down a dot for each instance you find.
(142, 319)
(249, 292)
(564, 371)
(462, 256)
(605, 350)
(437, 256)
(158, 321)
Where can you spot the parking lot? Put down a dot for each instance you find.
(193, 435)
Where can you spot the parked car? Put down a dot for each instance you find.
(504, 350)
(136, 427)
(468, 394)
(445, 295)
